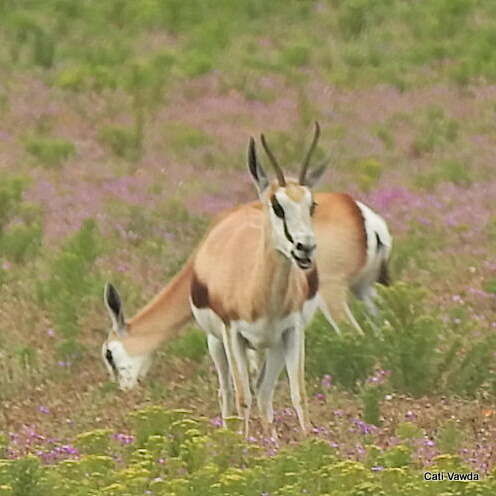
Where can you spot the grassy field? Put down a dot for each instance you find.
(124, 126)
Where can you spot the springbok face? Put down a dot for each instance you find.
(123, 367)
(289, 204)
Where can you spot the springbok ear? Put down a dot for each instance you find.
(114, 306)
(314, 175)
(256, 171)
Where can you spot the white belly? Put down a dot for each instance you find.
(208, 320)
(264, 332)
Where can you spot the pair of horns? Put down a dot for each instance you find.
(306, 160)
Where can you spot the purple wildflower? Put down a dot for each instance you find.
(320, 396)
(379, 377)
(123, 438)
(216, 421)
(326, 381)
(363, 427)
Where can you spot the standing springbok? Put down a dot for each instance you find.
(255, 286)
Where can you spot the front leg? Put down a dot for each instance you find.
(266, 383)
(294, 355)
(235, 348)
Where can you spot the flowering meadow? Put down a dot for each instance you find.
(123, 132)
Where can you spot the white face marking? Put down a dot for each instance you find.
(293, 234)
(127, 369)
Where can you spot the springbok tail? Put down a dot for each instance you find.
(384, 275)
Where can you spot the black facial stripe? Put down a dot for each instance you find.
(286, 232)
(312, 208)
(279, 211)
(110, 360)
(276, 206)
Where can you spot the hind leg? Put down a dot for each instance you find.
(367, 293)
(256, 363)
(327, 314)
(334, 296)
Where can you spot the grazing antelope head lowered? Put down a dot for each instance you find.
(289, 202)
(123, 367)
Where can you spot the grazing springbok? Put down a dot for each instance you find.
(354, 247)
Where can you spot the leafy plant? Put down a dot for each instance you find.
(49, 152)
(371, 406)
(191, 345)
(408, 343)
(368, 172)
(435, 130)
(71, 282)
(121, 140)
(450, 437)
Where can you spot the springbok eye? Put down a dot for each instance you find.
(276, 206)
(312, 208)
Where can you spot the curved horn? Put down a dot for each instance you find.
(280, 175)
(309, 154)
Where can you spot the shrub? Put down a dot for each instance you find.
(371, 398)
(121, 140)
(420, 352)
(72, 78)
(10, 199)
(72, 281)
(347, 357)
(450, 437)
(409, 340)
(490, 286)
(435, 131)
(191, 345)
(181, 136)
(453, 171)
(49, 152)
(20, 230)
(368, 171)
(25, 477)
(296, 56)
(94, 442)
(21, 241)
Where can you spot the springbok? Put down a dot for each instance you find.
(255, 286)
(354, 247)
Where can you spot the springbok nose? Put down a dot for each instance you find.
(306, 248)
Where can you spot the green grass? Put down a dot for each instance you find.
(362, 41)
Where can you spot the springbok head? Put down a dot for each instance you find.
(289, 203)
(123, 367)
